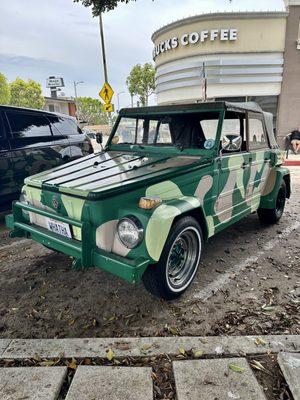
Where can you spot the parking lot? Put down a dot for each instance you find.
(248, 283)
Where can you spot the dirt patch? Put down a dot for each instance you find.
(270, 377)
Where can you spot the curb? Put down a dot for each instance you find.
(145, 347)
(291, 163)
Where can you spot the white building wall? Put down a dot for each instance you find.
(228, 75)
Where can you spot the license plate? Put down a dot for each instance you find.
(59, 227)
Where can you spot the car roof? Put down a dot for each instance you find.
(36, 111)
(194, 107)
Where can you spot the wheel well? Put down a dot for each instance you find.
(287, 180)
(198, 214)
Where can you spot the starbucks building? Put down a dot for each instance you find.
(242, 56)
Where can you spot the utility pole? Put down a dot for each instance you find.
(104, 59)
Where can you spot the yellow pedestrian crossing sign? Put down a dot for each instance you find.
(106, 93)
(108, 107)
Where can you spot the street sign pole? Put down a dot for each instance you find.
(104, 59)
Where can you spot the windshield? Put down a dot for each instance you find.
(184, 131)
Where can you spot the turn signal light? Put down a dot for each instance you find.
(148, 203)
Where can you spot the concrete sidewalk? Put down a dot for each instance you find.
(127, 368)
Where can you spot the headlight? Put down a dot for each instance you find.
(130, 231)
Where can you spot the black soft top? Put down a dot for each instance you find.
(200, 107)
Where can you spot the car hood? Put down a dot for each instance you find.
(99, 174)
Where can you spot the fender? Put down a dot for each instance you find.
(162, 218)
(269, 194)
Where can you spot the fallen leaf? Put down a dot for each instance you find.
(110, 355)
(236, 368)
(173, 330)
(268, 308)
(182, 351)
(146, 346)
(73, 364)
(47, 363)
(198, 353)
(259, 342)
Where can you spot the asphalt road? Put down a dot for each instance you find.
(248, 283)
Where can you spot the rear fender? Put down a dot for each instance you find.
(270, 191)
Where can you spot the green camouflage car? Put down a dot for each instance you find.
(169, 178)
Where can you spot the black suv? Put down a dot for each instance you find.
(32, 141)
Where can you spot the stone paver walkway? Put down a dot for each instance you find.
(111, 383)
(229, 378)
(290, 366)
(219, 369)
(35, 383)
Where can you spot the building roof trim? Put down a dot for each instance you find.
(219, 16)
(66, 100)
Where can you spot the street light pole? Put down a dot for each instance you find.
(104, 59)
(75, 91)
(118, 96)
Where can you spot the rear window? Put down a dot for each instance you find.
(63, 126)
(24, 124)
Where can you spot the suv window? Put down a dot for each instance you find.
(24, 124)
(63, 126)
(257, 136)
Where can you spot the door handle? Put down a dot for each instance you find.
(3, 154)
(245, 165)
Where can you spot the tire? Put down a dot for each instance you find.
(273, 215)
(183, 249)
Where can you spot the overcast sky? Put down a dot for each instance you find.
(61, 38)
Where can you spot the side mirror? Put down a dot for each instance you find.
(232, 143)
(99, 137)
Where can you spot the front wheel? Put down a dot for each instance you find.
(179, 261)
(273, 215)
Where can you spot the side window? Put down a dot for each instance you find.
(1, 127)
(209, 128)
(63, 126)
(140, 131)
(152, 131)
(257, 136)
(164, 134)
(27, 124)
(234, 125)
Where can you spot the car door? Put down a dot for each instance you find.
(234, 172)
(260, 167)
(7, 186)
(31, 143)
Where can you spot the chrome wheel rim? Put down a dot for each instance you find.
(183, 259)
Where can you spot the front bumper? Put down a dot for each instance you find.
(85, 253)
